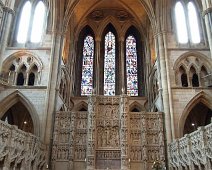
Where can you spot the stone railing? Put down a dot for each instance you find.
(20, 150)
(193, 151)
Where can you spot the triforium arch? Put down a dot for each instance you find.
(192, 63)
(14, 64)
(16, 97)
(201, 97)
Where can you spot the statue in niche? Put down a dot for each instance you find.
(144, 153)
(154, 139)
(117, 138)
(99, 137)
(80, 154)
(113, 138)
(160, 138)
(107, 131)
(104, 139)
(79, 123)
(76, 154)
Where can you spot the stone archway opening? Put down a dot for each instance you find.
(19, 115)
(200, 115)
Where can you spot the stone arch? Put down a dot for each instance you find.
(15, 97)
(147, 7)
(200, 97)
(13, 56)
(136, 107)
(82, 105)
(107, 21)
(202, 57)
(84, 25)
(182, 69)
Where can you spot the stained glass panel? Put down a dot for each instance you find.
(87, 66)
(131, 66)
(109, 64)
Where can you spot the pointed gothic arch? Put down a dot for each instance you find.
(16, 97)
(201, 97)
(82, 106)
(136, 107)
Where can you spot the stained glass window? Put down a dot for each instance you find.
(109, 64)
(87, 66)
(131, 66)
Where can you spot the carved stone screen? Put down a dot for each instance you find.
(108, 136)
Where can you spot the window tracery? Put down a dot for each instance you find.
(22, 70)
(190, 71)
(187, 23)
(31, 22)
(99, 67)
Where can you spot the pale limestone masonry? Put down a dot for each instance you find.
(101, 132)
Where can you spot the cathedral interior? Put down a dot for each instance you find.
(106, 84)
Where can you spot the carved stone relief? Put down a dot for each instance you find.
(108, 135)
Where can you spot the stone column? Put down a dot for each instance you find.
(7, 20)
(72, 67)
(207, 14)
(97, 66)
(91, 133)
(122, 76)
(124, 132)
(164, 83)
(26, 79)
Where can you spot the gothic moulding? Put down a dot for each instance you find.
(15, 97)
(200, 97)
(189, 59)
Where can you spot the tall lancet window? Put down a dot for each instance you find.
(182, 32)
(131, 66)
(24, 23)
(109, 64)
(38, 22)
(87, 66)
(193, 23)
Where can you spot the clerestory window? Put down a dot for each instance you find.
(187, 25)
(100, 63)
(31, 23)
